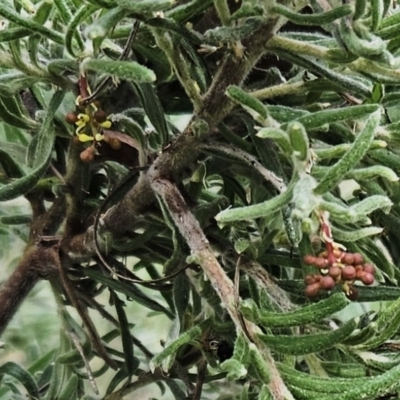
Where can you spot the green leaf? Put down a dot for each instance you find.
(259, 364)
(235, 369)
(146, 6)
(319, 384)
(129, 70)
(84, 12)
(357, 45)
(352, 156)
(41, 363)
(16, 219)
(11, 114)
(257, 210)
(184, 338)
(247, 101)
(320, 118)
(8, 13)
(116, 380)
(385, 326)
(355, 234)
(43, 150)
(127, 345)
(299, 140)
(101, 26)
(313, 19)
(305, 315)
(69, 391)
(23, 376)
(129, 290)
(154, 110)
(279, 135)
(360, 8)
(11, 168)
(312, 343)
(372, 388)
(44, 140)
(188, 10)
(181, 290)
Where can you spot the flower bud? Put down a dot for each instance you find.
(71, 118)
(87, 155)
(313, 290)
(367, 278)
(348, 273)
(369, 268)
(348, 259)
(327, 282)
(335, 272)
(358, 258)
(100, 116)
(309, 259)
(309, 279)
(321, 262)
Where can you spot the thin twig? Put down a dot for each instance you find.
(78, 346)
(106, 315)
(201, 376)
(94, 336)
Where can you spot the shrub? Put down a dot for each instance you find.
(254, 226)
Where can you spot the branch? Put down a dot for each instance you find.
(201, 252)
(37, 263)
(185, 149)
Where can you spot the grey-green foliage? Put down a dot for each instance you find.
(307, 135)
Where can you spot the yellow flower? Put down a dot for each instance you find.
(106, 124)
(85, 138)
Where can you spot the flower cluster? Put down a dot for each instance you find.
(90, 121)
(342, 269)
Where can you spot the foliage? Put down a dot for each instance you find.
(254, 226)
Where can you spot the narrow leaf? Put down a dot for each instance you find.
(154, 110)
(127, 344)
(45, 138)
(129, 70)
(305, 344)
(44, 150)
(305, 315)
(23, 376)
(186, 337)
(352, 156)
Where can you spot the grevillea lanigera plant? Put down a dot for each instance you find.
(262, 237)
